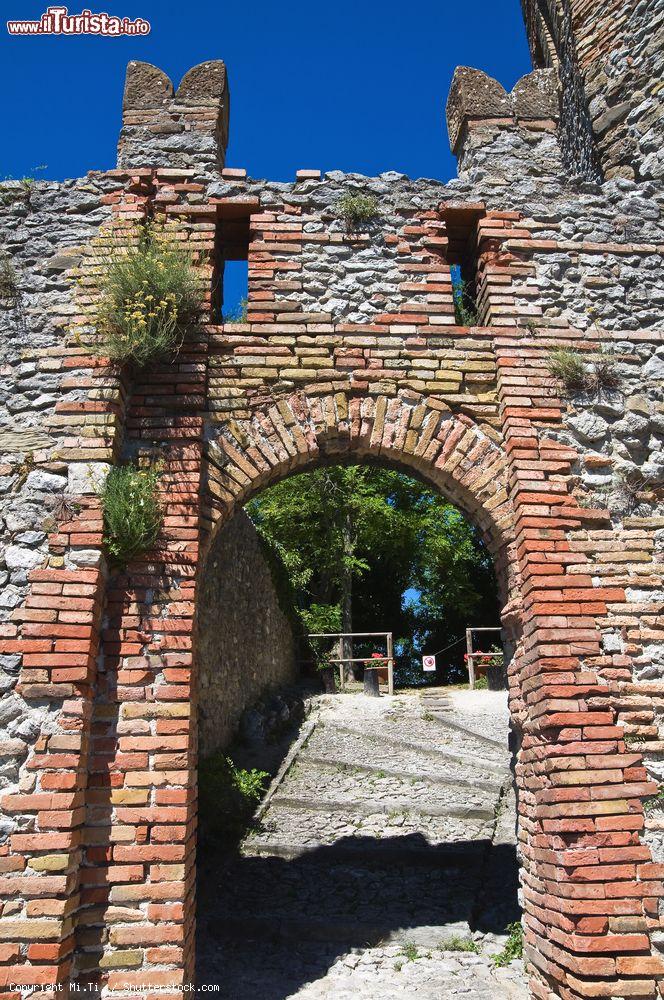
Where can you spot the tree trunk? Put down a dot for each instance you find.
(347, 598)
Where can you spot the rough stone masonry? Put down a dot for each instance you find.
(350, 351)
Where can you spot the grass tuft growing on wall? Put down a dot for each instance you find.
(8, 282)
(569, 368)
(149, 296)
(132, 512)
(579, 373)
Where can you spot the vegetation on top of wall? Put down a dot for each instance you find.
(357, 209)
(581, 374)
(132, 512)
(227, 797)
(149, 296)
(278, 559)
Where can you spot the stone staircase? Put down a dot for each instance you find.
(381, 864)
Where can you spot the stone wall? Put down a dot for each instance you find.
(245, 640)
(351, 352)
(610, 59)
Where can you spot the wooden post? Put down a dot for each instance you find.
(390, 664)
(470, 661)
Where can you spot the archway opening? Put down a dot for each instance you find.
(386, 841)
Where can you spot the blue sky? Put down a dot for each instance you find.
(349, 85)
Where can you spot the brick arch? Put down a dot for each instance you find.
(447, 450)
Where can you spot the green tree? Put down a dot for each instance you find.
(359, 538)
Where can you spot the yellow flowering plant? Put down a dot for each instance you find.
(149, 296)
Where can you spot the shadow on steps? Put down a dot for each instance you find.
(269, 924)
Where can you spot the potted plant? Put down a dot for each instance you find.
(493, 661)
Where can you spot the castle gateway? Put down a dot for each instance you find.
(350, 351)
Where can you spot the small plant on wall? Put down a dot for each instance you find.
(357, 209)
(227, 796)
(8, 282)
(149, 296)
(132, 512)
(580, 374)
(465, 307)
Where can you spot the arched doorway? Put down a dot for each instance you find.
(302, 433)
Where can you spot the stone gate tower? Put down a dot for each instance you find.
(351, 350)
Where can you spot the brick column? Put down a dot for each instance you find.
(590, 889)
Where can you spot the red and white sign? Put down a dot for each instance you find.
(428, 663)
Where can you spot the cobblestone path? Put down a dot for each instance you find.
(382, 864)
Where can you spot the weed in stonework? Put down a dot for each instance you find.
(513, 946)
(24, 468)
(656, 802)
(357, 209)
(398, 966)
(570, 369)
(240, 314)
(580, 373)
(428, 717)
(632, 491)
(459, 943)
(227, 796)
(410, 952)
(132, 512)
(149, 296)
(604, 374)
(8, 282)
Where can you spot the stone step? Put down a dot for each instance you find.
(462, 854)
(344, 744)
(387, 806)
(442, 720)
(344, 894)
(433, 744)
(412, 777)
(349, 932)
(255, 967)
(307, 829)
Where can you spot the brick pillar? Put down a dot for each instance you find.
(590, 889)
(136, 925)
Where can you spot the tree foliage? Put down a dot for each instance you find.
(415, 566)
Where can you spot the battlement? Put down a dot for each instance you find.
(480, 112)
(164, 127)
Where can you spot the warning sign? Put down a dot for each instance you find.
(428, 663)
